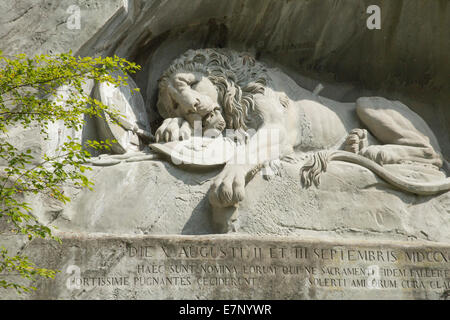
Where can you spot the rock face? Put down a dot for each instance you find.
(299, 37)
(313, 42)
(406, 59)
(204, 267)
(154, 197)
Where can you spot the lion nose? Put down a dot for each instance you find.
(196, 104)
(189, 107)
(193, 106)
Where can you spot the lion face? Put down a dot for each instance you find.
(204, 81)
(191, 96)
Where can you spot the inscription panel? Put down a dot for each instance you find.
(210, 267)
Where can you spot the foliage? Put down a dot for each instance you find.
(34, 93)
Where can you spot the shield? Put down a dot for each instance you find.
(198, 151)
(133, 115)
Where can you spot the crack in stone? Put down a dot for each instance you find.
(354, 230)
(20, 15)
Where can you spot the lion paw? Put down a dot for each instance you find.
(229, 187)
(356, 140)
(173, 129)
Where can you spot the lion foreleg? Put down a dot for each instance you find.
(228, 189)
(264, 146)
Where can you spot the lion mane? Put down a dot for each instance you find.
(237, 76)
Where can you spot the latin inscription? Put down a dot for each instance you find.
(207, 265)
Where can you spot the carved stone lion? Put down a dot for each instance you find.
(371, 132)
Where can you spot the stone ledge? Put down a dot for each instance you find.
(104, 266)
(351, 202)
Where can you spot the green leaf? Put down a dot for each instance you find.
(32, 86)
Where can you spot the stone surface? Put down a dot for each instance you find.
(323, 40)
(137, 203)
(173, 201)
(36, 27)
(211, 267)
(58, 133)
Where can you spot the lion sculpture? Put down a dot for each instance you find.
(242, 93)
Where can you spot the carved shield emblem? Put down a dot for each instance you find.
(198, 151)
(133, 115)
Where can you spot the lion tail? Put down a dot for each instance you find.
(311, 171)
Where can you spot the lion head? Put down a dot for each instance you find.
(202, 82)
